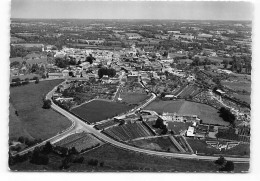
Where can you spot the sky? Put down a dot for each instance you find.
(54, 9)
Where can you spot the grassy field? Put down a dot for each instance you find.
(202, 147)
(116, 159)
(133, 98)
(158, 143)
(246, 98)
(207, 113)
(245, 85)
(98, 110)
(32, 119)
(122, 160)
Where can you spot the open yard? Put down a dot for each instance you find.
(207, 113)
(98, 110)
(33, 121)
(178, 127)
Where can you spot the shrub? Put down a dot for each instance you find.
(93, 162)
(46, 104)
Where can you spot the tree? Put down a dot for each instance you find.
(37, 81)
(217, 81)
(227, 115)
(73, 151)
(27, 80)
(78, 159)
(159, 123)
(105, 71)
(207, 61)
(220, 161)
(90, 59)
(228, 167)
(93, 162)
(163, 94)
(46, 104)
(61, 62)
(38, 158)
(224, 165)
(196, 61)
(225, 62)
(48, 148)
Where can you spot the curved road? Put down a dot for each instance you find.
(79, 124)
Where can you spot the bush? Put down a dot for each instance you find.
(78, 160)
(93, 162)
(220, 160)
(38, 158)
(46, 104)
(37, 81)
(229, 166)
(227, 115)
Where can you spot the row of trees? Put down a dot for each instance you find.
(224, 165)
(18, 82)
(40, 156)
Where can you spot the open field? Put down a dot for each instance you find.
(203, 148)
(116, 159)
(207, 113)
(98, 110)
(245, 85)
(38, 122)
(81, 141)
(16, 127)
(157, 143)
(122, 160)
(133, 98)
(246, 98)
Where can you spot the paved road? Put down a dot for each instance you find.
(79, 124)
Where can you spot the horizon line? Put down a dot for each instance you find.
(130, 19)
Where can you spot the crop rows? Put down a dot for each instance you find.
(128, 131)
(83, 143)
(177, 91)
(182, 143)
(190, 90)
(80, 141)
